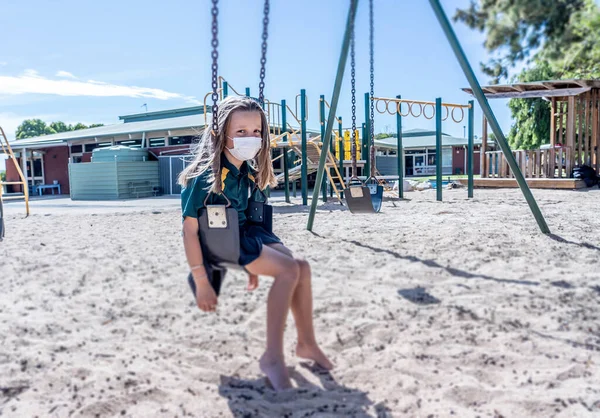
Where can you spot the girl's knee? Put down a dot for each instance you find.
(304, 268)
(291, 271)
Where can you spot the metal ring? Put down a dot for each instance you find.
(400, 110)
(420, 109)
(377, 106)
(462, 114)
(432, 108)
(387, 108)
(447, 113)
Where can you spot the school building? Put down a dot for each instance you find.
(168, 135)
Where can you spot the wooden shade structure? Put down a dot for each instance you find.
(574, 127)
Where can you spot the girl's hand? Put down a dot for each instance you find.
(206, 298)
(252, 282)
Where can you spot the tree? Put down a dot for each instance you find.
(532, 116)
(33, 127)
(60, 127)
(516, 30)
(79, 126)
(383, 135)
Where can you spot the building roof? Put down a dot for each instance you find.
(109, 131)
(422, 138)
(546, 88)
(163, 114)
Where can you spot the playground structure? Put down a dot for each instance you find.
(574, 135)
(382, 106)
(297, 150)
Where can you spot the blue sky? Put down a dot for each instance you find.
(83, 61)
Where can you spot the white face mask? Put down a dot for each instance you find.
(245, 148)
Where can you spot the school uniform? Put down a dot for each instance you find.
(240, 187)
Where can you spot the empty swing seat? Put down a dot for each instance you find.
(364, 198)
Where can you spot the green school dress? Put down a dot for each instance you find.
(240, 188)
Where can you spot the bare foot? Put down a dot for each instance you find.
(276, 372)
(314, 353)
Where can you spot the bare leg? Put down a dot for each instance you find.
(302, 309)
(286, 272)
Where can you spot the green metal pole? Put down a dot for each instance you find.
(323, 149)
(286, 171)
(400, 154)
(489, 114)
(334, 102)
(341, 154)
(304, 169)
(247, 91)
(470, 149)
(362, 149)
(225, 89)
(438, 148)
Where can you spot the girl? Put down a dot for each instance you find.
(244, 136)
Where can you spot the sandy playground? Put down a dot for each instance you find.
(461, 308)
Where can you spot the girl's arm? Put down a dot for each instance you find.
(205, 295)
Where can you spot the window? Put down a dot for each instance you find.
(430, 159)
(156, 142)
(76, 149)
(90, 147)
(414, 151)
(181, 140)
(132, 143)
(447, 157)
(37, 167)
(76, 158)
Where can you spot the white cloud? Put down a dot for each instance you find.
(31, 73)
(30, 82)
(65, 74)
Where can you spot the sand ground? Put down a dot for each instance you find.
(461, 308)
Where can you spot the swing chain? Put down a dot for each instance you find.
(215, 67)
(372, 74)
(353, 82)
(263, 58)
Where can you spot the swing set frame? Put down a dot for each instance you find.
(477, 92)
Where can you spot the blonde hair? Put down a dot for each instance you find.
(206, 155)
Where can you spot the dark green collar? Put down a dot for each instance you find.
(232, 168)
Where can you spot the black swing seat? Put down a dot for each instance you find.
(362, 198)
(219, 234)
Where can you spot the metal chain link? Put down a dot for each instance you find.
(215, 68)
(263, 58)
(353, 82)
(372, 71)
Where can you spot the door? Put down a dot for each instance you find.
(409, 164)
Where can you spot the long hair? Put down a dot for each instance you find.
(206, 156)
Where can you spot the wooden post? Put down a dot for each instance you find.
(580, 114)
(594, 143)
(483, 163)
(586, 128)
(553, 123)
(570, 143)
(597, 138)
(560, 122)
